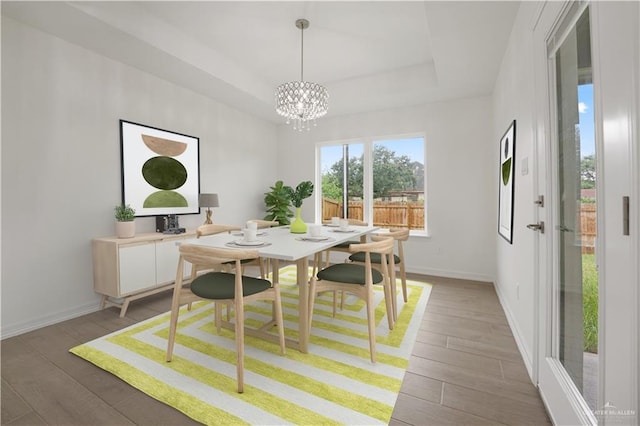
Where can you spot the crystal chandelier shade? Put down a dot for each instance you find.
(301, 101)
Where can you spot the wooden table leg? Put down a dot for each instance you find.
(275, 278)
(303, 303)
(276, 271)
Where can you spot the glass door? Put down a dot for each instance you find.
(587, 347)
(574, 147)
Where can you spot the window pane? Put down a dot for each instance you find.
(398, 183)
(332, 166)
(577, 273)
(395, 194)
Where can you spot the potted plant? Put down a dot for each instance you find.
(302, 191)
(278, 202)
(125, 225)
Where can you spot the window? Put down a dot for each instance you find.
(380, 181)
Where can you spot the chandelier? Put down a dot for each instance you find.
(301, 101)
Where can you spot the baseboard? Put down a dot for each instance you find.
(462, 275)
(517, 334)
(34, 324)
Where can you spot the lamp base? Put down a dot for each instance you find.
(208, 220)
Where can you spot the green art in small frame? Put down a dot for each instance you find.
(506, 182)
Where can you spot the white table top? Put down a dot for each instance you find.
(284, 245)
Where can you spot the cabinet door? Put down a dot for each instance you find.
(137, 267)
(167, 255)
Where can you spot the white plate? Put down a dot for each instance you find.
(310, 238)
(241, 234)
(248, 243)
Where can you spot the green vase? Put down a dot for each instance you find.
(298, 226)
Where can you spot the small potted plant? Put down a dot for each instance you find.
(125, 225)
(278, 202)
(302, 191)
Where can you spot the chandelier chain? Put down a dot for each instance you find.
(301, 101)
(302, 53)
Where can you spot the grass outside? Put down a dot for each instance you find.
(590, 302)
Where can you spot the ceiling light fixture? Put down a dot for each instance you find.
(301, 101)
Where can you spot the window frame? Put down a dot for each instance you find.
(368, 145)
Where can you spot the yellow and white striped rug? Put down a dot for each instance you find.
(335, 383)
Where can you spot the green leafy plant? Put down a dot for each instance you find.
(590, 302)
(302, 191)
(124, 213)
(278, 202)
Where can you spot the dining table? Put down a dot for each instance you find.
(280, 244)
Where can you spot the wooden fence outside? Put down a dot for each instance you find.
(588, 227)
(411, 215)
(387, 214)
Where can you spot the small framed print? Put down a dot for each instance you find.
(506, 186)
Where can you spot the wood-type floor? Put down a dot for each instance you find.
(465, 369)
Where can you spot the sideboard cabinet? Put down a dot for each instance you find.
(126, 269)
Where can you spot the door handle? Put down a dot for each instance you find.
(563, 228)
(625, 215)
(537, 227)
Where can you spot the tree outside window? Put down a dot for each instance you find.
(397, 187)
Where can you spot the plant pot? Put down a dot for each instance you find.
(126, 229)
(298, 226)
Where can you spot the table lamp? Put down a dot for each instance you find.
(208, 201)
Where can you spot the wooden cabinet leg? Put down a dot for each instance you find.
(123, 309)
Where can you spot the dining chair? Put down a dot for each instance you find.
(211, 229)
(204, 230)
(399, 236)
(357, 279)
(224, 287)
(344, 246)
(263, 264)
(207, 265)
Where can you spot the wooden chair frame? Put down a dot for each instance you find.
(399, 236)
(365, 292)
(202, 231)
(327, 252)
(199, 255)
(263, 264)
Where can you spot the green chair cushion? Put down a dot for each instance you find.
(348, 273)
(375, 257)
(221, 285)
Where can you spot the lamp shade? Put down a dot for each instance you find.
(208, 200)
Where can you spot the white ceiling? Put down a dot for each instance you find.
(370, 55)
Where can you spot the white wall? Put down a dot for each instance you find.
(61, 165)
(461, 184)
(514, 99)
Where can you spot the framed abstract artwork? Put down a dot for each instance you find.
(160, 170)
(506, 186)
